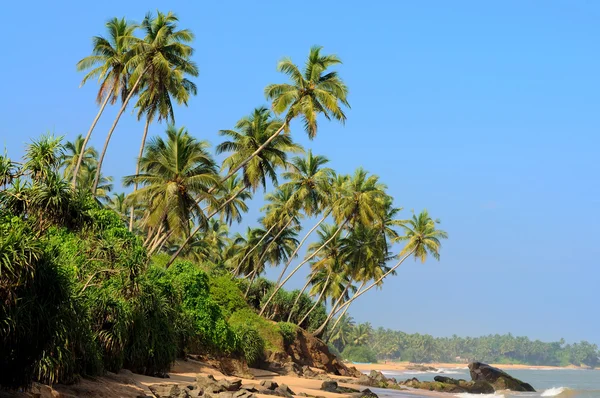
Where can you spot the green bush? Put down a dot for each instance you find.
(359, 354)
(225, 292)
(288, 332)
(268, 330)
(252, 345)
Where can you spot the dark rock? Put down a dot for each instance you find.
(249, 387)
(205, 381)
(269, 385)
(168, 391)
(499, 379)
(329, 386)
(366, 393)
(285, 388)
(421, 368)
(303, 394)
(230, 385)
(444, 379)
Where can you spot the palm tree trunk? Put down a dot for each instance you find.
(195, 231)
(339, 318)
(298, 298)
(137, 169)
(159, 243)
(333, 311)
(112, 129)
(300, 265)
(299, 246)
(360, 293)
(266, 251)
(235, 271)
(317, 301)
(85, 141)
(250, 284)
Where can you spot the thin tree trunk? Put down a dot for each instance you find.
(339, 318)
(235, 271)
(266, 251)
(250, 284)
(112, 129)
(334, 308)
(86, 140)
(299, 246)
(298, 298)
(300, 265)
(360, 293)
(195, 231)
(137, 169)
(318, 301)
(159, 243)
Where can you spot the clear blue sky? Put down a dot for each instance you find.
(485, 113)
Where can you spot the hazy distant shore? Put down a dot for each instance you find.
(401, 366)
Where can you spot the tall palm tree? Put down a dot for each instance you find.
(328, 260)
(162, 84)
(150, 60)
(358, 199)
(87, 176)
(310, 93)
(340, 336)
(422, 239)
(176, 173)
(252, 132)
(231, 210)
(108, 63)
(72, 152)
(210, 245)
(361, 334)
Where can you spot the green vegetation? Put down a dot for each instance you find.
(359, 341)
(92, 280)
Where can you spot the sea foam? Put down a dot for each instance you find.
(554, 391)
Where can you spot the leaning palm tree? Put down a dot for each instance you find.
(252, 132)
(358, 199)
(422, 239)
(87, 175)
(72, 153)
(149, 59)
(231, 210)
(310, 93)
(163, 83)
(176, 173)
(108, 63)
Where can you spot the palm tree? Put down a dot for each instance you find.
(150, 60)
(8, 170)
(176, 173)
(210, 245)
(340, 337)
(361, 334)
(109, 64)
(310, 94)
(163, 44)
(328, 261)
(231, 210)
(252, 132)
(87, 176)
(422, 239)
(357, 199)
(72, 152)
(117, 204)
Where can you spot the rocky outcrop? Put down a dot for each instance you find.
(307, 350)
(449, 385)
(421, 368)
(499, 379)
(332, 386)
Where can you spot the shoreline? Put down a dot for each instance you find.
(402, 366)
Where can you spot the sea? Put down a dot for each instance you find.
(548, 382)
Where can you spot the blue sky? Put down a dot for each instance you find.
(485, 113)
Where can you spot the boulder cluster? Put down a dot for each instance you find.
(209, 387)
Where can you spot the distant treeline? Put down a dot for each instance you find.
(361, 342)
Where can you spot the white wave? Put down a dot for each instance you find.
(450, 372)
(554, 391)
(467, 395)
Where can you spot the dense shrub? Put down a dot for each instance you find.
(226, 293)
(252, 345)
(269, 331)
(288, 332)
(359, 354)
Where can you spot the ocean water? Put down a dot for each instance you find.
(560, 383)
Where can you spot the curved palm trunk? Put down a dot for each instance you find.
(250, 284)
(235, 271)
(301, 264)
(298, 248)
(339, 318)
(86, 140)
(360, 293)
(137, 169)
(112, 129)
(266, 251)
(334, 309)
(318, 299)
(298, 298)
(195, 231)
